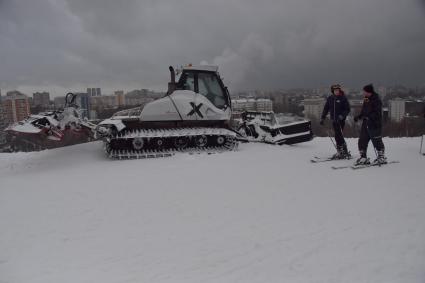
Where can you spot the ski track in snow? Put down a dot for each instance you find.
(261, 214)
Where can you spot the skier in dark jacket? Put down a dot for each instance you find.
(371, 114)
(338, 106)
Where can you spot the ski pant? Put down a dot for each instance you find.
(339, 137)
(367, 134)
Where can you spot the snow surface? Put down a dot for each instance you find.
(261, 214)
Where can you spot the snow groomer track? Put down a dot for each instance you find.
(155, 143)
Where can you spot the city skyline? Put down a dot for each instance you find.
(111, 91)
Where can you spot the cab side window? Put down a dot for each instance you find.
(188, 82)
(210, 88)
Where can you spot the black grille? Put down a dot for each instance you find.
(297, 128)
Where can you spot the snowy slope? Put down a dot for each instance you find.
(261, 214)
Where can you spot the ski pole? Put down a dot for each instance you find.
(329, 135)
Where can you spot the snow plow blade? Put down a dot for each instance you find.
(293, 133)
(264, 127)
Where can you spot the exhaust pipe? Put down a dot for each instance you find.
(172, 83)
(173, 74)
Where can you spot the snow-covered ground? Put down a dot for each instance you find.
(261, 214)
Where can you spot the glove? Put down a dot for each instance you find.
(322, 122)
(341, 118)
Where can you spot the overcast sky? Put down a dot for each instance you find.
(62, 45)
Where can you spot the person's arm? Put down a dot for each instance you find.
(376, 111)
(347, 108)
(325, 109)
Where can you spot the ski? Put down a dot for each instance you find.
(317, 159)
(324, 159)
(362, 166)
(341, 167)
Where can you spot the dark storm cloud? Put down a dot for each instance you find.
(272, 44)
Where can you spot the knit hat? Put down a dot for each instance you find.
(369, 88)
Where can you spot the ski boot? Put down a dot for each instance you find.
(363, 160)
(381, 159)
(342, 153)
(337, 156)
(339, 153)
(347, 154)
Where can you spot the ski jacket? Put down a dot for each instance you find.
(336, 105)
(372, 111)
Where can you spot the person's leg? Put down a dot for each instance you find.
(363, 144)
(363, 140)
(344, 144)
(339, 140)
(376, 138)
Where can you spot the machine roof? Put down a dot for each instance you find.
(210, 68)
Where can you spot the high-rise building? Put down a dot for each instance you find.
(264, 104)
(14, 93)
(93, 114)
(41, 99)
(94, 91)
(104, 101)
(120, 98)
(415, 108)
(3, 124)
(397, 109)
(252, 104)
(313, 107)
(83, 101)
(15, 107)
(59, 102)
(406, 108)
(382, 91)
(243, 104)
(136, 100)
